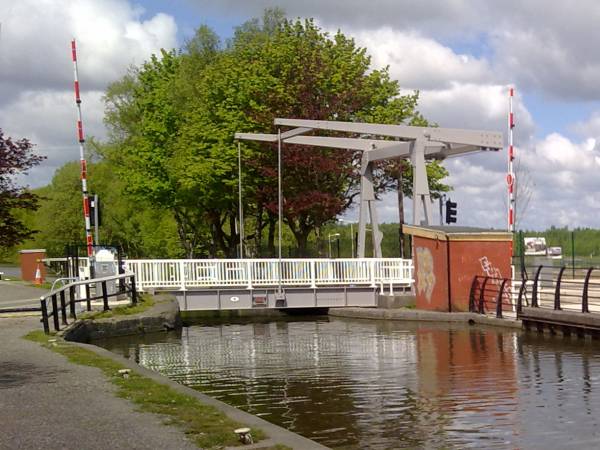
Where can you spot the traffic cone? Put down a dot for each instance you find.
(38, 276)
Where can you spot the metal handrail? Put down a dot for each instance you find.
(54, 297)
(498, 289)
(566, 292)
(84, 282)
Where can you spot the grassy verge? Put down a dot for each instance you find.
(145, 301)
(205, 425)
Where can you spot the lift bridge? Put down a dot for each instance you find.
(231, 284)
(221, 284)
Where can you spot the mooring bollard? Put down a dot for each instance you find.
(244, 435)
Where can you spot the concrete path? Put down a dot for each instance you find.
(13, 294)
(48, 403)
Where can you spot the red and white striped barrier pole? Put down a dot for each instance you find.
(80, 136)
(510, 176)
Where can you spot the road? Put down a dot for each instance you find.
(13, 294)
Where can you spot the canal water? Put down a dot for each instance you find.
(363, 384)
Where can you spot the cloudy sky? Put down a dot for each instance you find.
(462, 55)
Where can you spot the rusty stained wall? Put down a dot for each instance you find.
(467, 259)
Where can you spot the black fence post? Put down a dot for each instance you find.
(534, 295)
(120, 271)
(44, 308)
(586, 285)
(88, 300)
(63, 307)
(557, 290)
(522, 256)
(499, 300)
(482, 296)
(134, 296)
(105, 296)
(520, 299)
(72, 303)
(573, 252)
(55, 312)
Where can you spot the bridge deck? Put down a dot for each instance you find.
(560, 318)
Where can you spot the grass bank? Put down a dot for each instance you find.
(145, 301)
(203, 424)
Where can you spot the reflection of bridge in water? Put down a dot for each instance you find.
(367, 384)
(215, 284)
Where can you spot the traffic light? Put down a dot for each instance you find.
(450, 211)
(95, 210)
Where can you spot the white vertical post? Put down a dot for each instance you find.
(241, 208)
(249, 273)
(313, 274)
(182, 275)
(372, 269)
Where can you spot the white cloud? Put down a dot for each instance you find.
(35, 44)
(36, 70)
(419, 62)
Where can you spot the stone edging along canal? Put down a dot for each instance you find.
(422, 316)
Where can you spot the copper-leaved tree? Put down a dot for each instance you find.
(16, 158)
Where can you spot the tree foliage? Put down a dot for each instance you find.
(16, 158)
(168, 174)
(172, 122)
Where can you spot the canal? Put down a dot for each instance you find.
(365, 384)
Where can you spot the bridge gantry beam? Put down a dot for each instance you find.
(415, 143)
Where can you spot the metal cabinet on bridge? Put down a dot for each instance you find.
(446, 259)
(105, 266)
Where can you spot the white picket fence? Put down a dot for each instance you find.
(183, 274)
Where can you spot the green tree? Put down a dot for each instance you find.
(173, 121)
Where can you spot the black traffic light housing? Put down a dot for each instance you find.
(450, 211)
(95, 210)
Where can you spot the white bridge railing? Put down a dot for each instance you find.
(183, 274)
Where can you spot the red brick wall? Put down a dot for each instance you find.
(467, 259)
(29, 263)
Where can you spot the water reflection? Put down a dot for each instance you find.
(371, 384)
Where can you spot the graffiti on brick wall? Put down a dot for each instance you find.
(425, 275)
(495, 276)
(489, 269)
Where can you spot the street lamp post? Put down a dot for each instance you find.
(241, 209)
(351, 234)
(279, 205)
(329, 240)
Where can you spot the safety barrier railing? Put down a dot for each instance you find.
(55, 304)
(251, 273)
(562, 288)
(490, 295)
